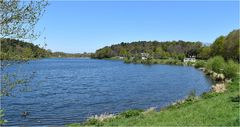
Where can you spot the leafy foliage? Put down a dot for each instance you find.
(205, 52)
(176, 49)
(227, 46)
(199, 64)
(19, 18)
(230, 69)
(12, 49)
(2, 121)
(216, 64)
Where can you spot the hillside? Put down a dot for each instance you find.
(155, 48)
(12, 49)
(226, 46)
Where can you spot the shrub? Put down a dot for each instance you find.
(230, 69)
(216, 64)
(190, 63)
(131, 113)
(234, 85)
(199, 64)
(208, 65)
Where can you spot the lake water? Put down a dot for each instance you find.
(70, 90)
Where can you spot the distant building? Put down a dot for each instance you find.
(144, 56)
(120, 57)
(189, 59)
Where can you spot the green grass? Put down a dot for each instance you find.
(210, 109)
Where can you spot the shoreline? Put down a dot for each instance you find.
(106, 117)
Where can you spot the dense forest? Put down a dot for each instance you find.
(226, 46)
(12, 49)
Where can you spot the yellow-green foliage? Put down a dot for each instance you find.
(199, 63)
(12, 49)
(217, 64)
(230, 69)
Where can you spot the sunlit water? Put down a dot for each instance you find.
(70, 90)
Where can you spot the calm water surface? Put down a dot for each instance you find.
(70, 90)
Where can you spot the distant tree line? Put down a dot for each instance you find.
(178, 49)
(226, 46)
(63, 54)
(13, 49)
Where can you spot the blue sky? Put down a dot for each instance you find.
(81, 26)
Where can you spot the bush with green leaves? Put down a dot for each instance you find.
(216, 64)
(230, 69)
(199, 64)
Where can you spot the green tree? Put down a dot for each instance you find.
(180, 56)
(231, 45)
(205, 52)
(216, 64)
(27, 53)
(19, 18)
(217, 46)
(159, 53)
(123, 52)
(230, 69)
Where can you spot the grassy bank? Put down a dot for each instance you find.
(209, 109)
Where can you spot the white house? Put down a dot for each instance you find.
(190, 59)
(144, 56)
(120, 57)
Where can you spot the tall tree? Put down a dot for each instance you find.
(17, 21)
(204, 52)
(231, 45)
(19, 18)
(217, 46)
